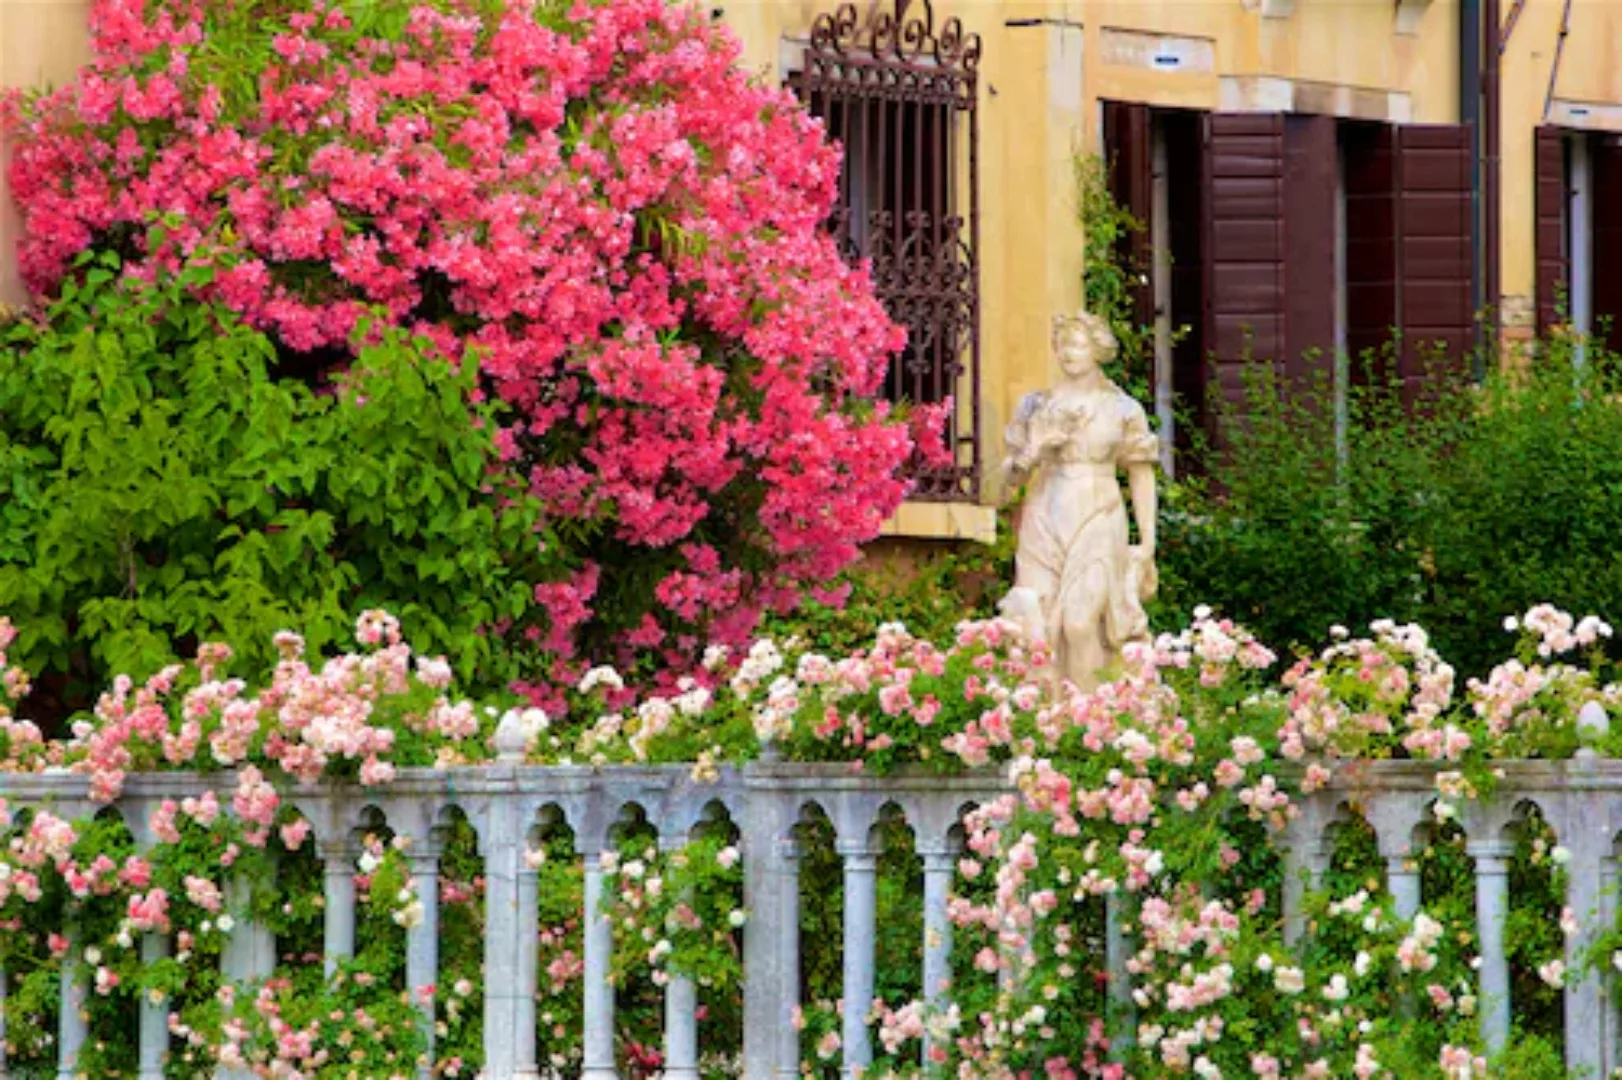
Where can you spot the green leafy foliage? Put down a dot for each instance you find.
(1480, 504)
(165, 484)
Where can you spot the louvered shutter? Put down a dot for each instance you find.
(1371, 250)
(1549, 208)
(1310, 154)
(1434, 230)
(1243, 253)
(1606, 272)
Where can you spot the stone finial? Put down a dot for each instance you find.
(516, 733)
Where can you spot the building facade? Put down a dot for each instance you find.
(1316, 176)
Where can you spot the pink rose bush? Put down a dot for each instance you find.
(1147, 817)
(593, 202)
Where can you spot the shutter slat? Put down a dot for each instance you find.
(1309, 247)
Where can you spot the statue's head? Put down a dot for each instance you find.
(1082, 342)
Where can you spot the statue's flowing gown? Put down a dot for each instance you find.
(1073, 545)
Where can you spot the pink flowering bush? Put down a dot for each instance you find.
(591, 201)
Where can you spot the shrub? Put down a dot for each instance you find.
(591, 198)
(1481, 503)
(166, 487)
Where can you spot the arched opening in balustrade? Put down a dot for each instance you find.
(551, 854)
(899, 949)
(633, 870)
(458, 1010)
(109, 1009)
(27, 966)
(821, 940)
(1533, 928)
(380, 938)
(1355, 864)
(300, 930)
(715, 840)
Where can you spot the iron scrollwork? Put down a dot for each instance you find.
(900, 93)
(904, 34)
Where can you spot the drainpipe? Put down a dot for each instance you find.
(1470, 116)
(1491, 166)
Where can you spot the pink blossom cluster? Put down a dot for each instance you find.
(610, 216)
(350, 712)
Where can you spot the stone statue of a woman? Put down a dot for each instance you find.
(1079, 583)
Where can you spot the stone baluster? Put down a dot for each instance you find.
(250, 948)
(154, 1023)
(1586, 1011)
(529, 969)
(1492, 906)
(338, 902)
(598, 1061)
(681, 1007)
(1307, 851)
(249, 955)
(509, 939)
(1610, 1051)
(422, 943)
(1117, 952)
(784, 933)
(861, 904)
(1402, 882)
(940, 866)
(152, 1029)
(1395, 817)
(73, 1022)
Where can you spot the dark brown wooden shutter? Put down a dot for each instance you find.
(1605, 154)
(1244, 282)
(1129, 144)
(1434, 229)
(1371, 250)
(1310, 155)
(1549, 206)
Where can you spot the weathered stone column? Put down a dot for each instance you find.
(598, 1063)
(72, 1024)
(784, 933)
(861, 905)
(338, 902)
(940, 864)
(422, 943)
(506, 937)
(1492, 906)
(1586, 1010)
(154, 1024)
(1307, 850)
(681, 1007)
(1402, 882)
(1117, 951)
(529, 950)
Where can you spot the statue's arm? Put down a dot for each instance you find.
(1019, 456)
(1145, 503)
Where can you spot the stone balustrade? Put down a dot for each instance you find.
(505, 804)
